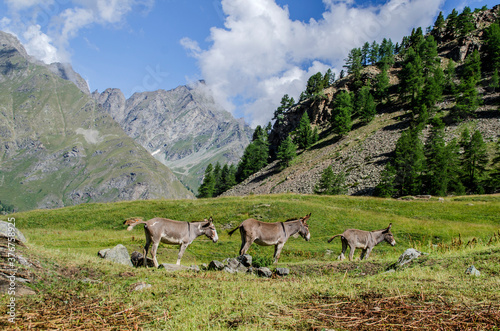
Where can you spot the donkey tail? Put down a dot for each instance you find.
(231, 232)
(131, 222)
(337, 235)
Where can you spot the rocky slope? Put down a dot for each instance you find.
(183, 128)
(363, 153)
(59, 148)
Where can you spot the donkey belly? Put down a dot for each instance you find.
(171, 240)
(262, 242)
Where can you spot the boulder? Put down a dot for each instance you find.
(282, 271)
(472, 271)
(245, 259)
(138, 261)
(7, 228)
(172, 267)
(216, 265)
(264, 272)
(118, 254)
(409, 255)
(102, 252)
(139, 286)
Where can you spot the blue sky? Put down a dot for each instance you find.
(250, 52)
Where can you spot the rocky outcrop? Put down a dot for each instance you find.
(183, 128)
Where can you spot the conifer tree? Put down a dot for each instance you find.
(331, 183)
(365, 52)
(373, 56)
(255, 156)
(474, 161)
(440, 162)
(287, 151)
(217, 173)
(492, 47)
(207, 188)
(315, 84)
(450, 76)
(387, 186)
(495, 80)
(285, 105)
(227, 180)
(465, 22)
(382, 84)
(342, 110)
(365, 105)
(303, 134)
(439, 24)
(411, 77)
(467, 99)
(451, 20)
(408, 163)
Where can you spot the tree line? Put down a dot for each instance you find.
(424, 80)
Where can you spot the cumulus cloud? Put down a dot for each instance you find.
(62, 21)
(261, 54)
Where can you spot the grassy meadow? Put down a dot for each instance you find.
(77, 290)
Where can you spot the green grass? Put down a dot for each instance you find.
(454, 234)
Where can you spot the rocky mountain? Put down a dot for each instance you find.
(183, 128)
(57, 145)
(363, 153)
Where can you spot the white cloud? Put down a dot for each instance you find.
(40, 45)
(63, 21)
(261, 54)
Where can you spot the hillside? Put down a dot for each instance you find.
(363, 153)
(183, 128)
(59, 148)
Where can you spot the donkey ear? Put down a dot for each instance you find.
(211, 220)
(390, 224)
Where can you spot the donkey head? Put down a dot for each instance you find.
(388, 235)
(209, 229)
(304, 228)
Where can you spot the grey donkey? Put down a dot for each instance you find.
(365, 240)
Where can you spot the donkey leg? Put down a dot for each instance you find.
(182, 249)
(368, 251)
(246, 242)
(145, 251)
(344, 249)
(277, 252)
(363, 253)
(154, 248)
(351, 252)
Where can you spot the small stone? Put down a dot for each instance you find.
(472, 271)
(282, 271)
(216, 265)
(264, 272)
(139, 286)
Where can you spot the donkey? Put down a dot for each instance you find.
(268, 234)
(365, 240)
(173, 233)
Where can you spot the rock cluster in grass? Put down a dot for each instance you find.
(405, 259)
(240, 264)
(243, 264)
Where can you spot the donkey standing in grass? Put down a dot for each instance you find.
(365, 240)
(173, 233)
(268, 234)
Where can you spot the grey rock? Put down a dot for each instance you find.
(472, 271)
(409, 255)
(245, 260)
(195, 268)
(102, 252)
(282, 271)
(231, 263)
(229, 270)
(118, 254)
(7, 228)
(138, 261)
(172, 267)
(264, 272)
(215, 265)
(140, 286)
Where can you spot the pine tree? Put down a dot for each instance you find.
(492, 47)
(429, 55)
(438, 166)
(365, 105)
(439, 24)
(387, 186)
(331, 183)
(465, 22)
(450, 86)
(217, 173)
(451, 20)
(285, 105)
(472, 66)
(207, 188)
(365, 52)
(315, 85)
(342, 110)
(255, 156)
(495, 80)
(228, 178)
(467, 99)
(287, 151)
(386, 53)
(329, 78)
(382, 84)
(474, 161)
(303, 134)
(408, 163)
(373, 56)
(411, 77)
